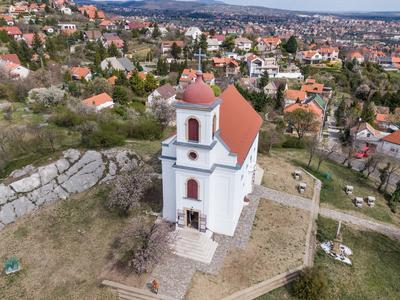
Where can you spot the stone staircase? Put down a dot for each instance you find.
(194, 245)
(124, 292)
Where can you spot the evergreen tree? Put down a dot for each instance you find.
(51, 48)
(113, 51)
(175, 51)
(264, 79)
(229, 43)
(395, 199)
(156, 32)
(137, 85)
(203, 45)
(162, 67)
(368, 113)
(121, 79)
(120, 95)
(291, 45)
(280, 98)
(340, 113)
(150, 83)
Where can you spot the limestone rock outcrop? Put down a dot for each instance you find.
(74, 172)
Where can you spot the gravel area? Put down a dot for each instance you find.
(175, 273)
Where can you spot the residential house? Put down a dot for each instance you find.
(257, 66)
(309, 57)
(271, 89)
(166, 46)
(18, 9)
(113, 38)
(99, 102)
(12, 31)
(79, 73)
(189, 76)
(118, 64)
(67, 28)
(318, 112)
(268, 44)
(365, 134)
(243, 44)
(137, 25)
(312, 87)
(108, 25)
(213, 45)
(329, 53)
(232, 68)
(11, 66)
(92, 35)
(165, 92)
(294, 96)
(28, 38)
(355, 55)
(9, 19)
(66, 10)
(193, 33)
(390, 145)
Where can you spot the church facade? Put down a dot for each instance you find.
(208, 166)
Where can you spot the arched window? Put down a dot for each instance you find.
(193, 130)
(192, 189)
(214, 125)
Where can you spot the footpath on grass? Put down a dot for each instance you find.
(306, 204)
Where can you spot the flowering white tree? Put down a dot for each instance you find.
(163, 111)
(129, 189)
(47, 97)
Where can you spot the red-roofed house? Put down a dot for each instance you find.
(12, 31)
(166, 46)
(209, 165)
(189, 76)
(329, 53)
(79, 73)
(99, 102)
(11, 57)
(309, 57)
(294, 96)
(108, 25)
(390, 144)
(311, 87)
(268, 44)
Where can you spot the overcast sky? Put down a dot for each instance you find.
(318, 5)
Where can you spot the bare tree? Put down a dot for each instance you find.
(312, 146)
(303, 121)
(142, 244)
(371, 164)
(324, 155)
(129, 190)
(393, 167)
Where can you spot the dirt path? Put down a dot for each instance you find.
(368, 224)
(283, 198)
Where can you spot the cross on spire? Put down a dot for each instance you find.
(200, 55)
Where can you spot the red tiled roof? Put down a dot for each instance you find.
(393, 138)
(382, 117)
(11, 30)
(238, 135)
(295, 95)
(80, 72)
(97, 100)
(11, 57)
(310, 107)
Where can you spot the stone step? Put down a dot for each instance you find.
(124, 295)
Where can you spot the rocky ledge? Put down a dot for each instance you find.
(75, 172)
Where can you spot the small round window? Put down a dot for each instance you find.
(193, 155)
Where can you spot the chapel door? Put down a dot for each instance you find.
(192, 219)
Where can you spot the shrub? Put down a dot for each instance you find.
(311, 284)
(142, 244)
(103, 138)
(66, 118)
(138, 106)
(293, 142)
(145, 128)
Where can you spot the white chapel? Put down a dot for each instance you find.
(208, 166)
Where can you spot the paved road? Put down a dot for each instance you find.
(368, 224)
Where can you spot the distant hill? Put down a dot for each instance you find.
(194, 6)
